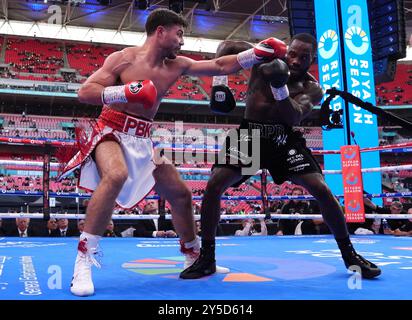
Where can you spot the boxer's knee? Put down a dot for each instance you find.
(116, 178)
(321, 191)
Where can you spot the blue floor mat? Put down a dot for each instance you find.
(262, 268)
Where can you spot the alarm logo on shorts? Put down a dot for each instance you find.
(292, 152)
(135, 87)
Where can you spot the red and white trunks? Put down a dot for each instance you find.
(133, 135)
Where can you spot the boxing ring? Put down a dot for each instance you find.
(262, 268)
(304, 267)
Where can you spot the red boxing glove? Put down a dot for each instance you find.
(265, 50)
(270, 49)
(142, 91)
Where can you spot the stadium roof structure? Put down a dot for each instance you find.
(249, 20)
(215, 19)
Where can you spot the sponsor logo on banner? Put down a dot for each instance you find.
(352, 179)
(360, 82)
(354, 206)
(361, 36)
(2, 262)
(349, 153)
(352, 184)
(330, 75)
(328, 44)
(28, 277)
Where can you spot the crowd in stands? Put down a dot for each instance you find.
(61, 227)
(35, 183)
(187, 88)
(397, 92)
(33, 56)
(87, 58)
(58, 128)
(40, 60)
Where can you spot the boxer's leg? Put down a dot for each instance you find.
(221, 179)
(171, 187)
(113, 173)
(332, 213)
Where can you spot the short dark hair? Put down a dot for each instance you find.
(307, 38)
(163, 17)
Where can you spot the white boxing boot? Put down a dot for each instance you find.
(87, 252)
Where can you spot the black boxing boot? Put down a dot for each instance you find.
(368, 269)
(204, 266)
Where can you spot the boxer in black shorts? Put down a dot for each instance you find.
(283, 152)
(280, 94)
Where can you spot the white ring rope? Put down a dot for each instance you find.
(58, 143)
(208, 170)
(197, 217)
(379, 169)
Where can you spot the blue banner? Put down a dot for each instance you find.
(360, 82)
(330, 75)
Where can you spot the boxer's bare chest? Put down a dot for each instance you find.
(163, 77)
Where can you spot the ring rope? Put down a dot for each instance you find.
(57, 143)
(38, 215)
(198, 198)
(314, 151)
(208, 170)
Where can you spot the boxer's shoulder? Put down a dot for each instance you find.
(119, 60)
(180, 63)
(314, 90)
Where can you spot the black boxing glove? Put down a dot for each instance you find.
(277, 73)
(222, 99)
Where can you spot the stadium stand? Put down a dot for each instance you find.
(39, 60)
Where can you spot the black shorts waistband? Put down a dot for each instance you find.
(267, 130)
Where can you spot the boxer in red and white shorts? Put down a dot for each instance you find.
(133, 136)
(118, 161)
